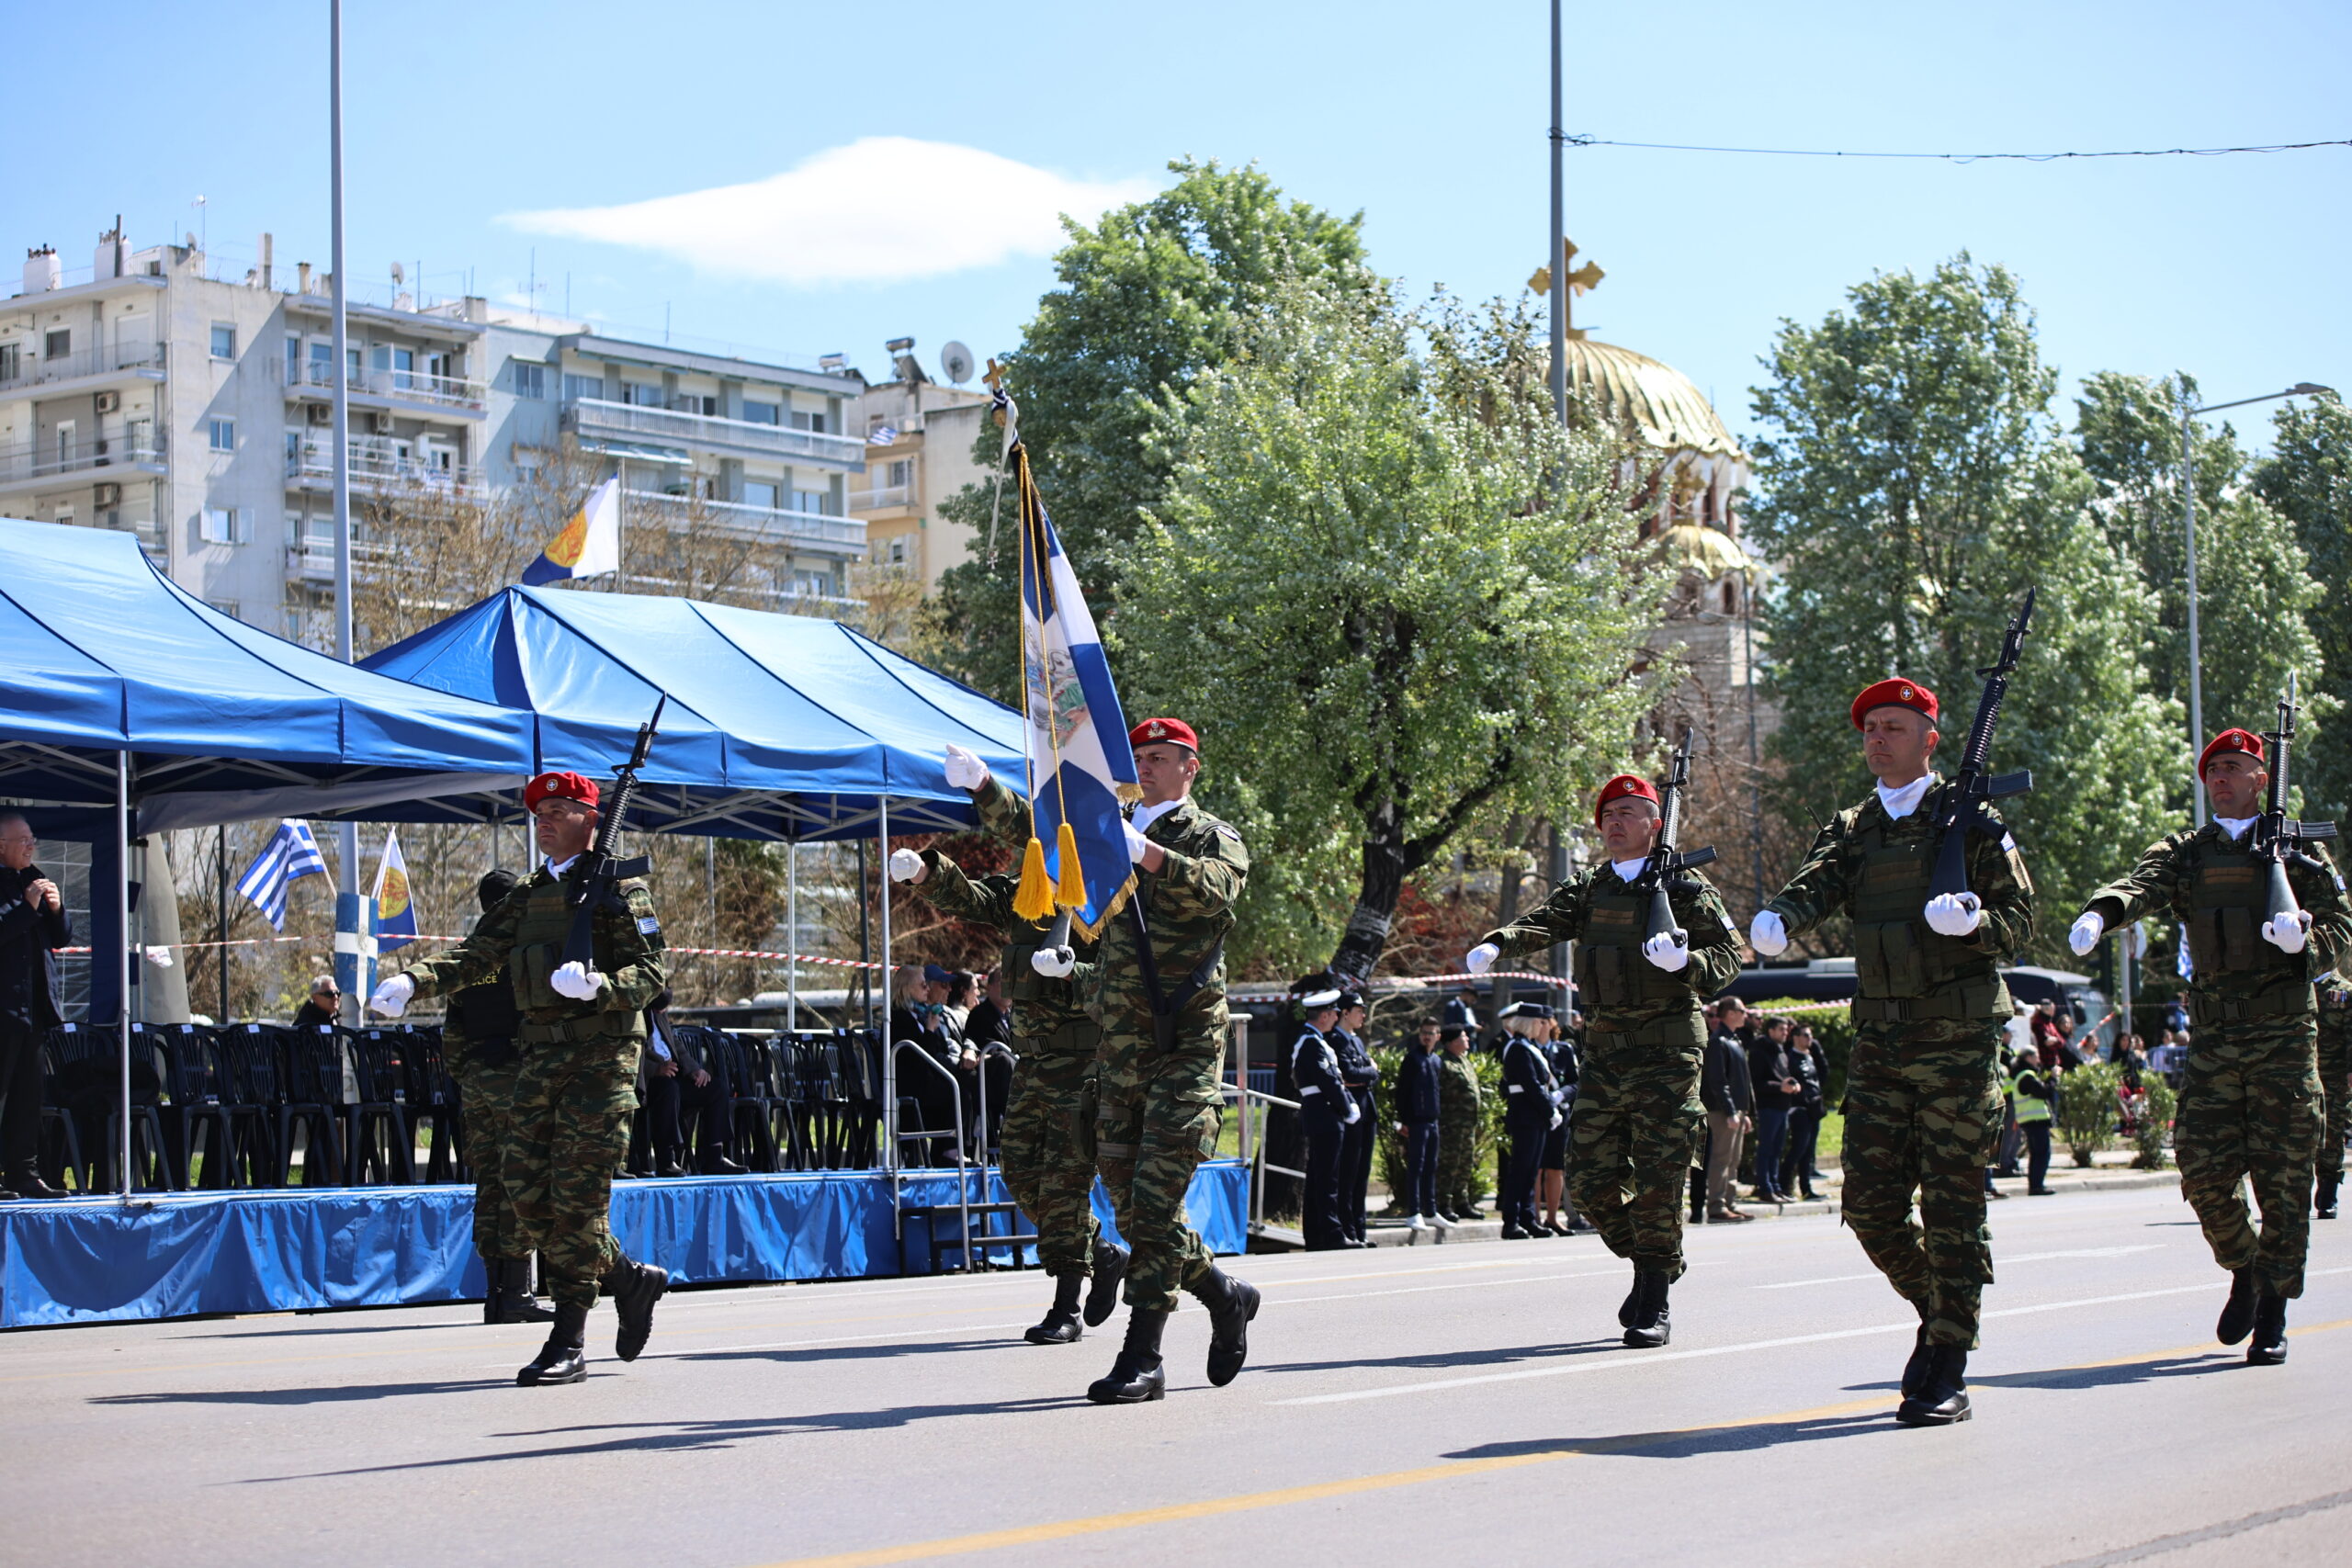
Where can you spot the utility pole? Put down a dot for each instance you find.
(1555, 247)
(350, 960)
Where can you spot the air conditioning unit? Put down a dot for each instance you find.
(381, 422)
(105, 495)
(319, 414)
(109, 402)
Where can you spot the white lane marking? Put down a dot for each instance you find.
(1998, 1262)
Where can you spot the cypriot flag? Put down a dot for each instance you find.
(1080, 766)
(395, 910)
(590, 543)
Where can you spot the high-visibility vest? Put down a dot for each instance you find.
(2029, 1106)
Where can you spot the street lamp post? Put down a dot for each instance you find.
(2189, 525)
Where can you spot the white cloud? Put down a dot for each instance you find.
(882, 210)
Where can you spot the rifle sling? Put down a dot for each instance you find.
(1164, 1007)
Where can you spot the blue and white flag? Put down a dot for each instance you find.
(395, 908)
(1080, 766)
(589, 545)
(291, 852)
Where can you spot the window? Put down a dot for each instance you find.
(763, 413)
(226, 526)
(12, 363)
(293, 360)
(642, 394)
(321, 364)
(901, 474)
(530, 380)
(293, 451)
(816, 584)
(581, 387)
(224, 341)
(65, 517)
(820, 502)
(226, 606)
(899, 550)
(224, 435)
(760, 492)
(57, 344)
(65, 444)
(813, 422)
(696, 403)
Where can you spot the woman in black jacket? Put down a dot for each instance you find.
(1797, 1167)
(1416, 1102)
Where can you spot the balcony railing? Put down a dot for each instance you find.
(377, 465)
(813, 531)
(404, 385)
(31, 371)
(21, 463)
(312, 560)
(881, 498)
(597, 416)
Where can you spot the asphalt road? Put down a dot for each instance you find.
(1412, 1406)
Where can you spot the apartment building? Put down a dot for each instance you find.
(920, 438)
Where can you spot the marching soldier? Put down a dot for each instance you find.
(1360, 1076)
(2335, 1085)
(1923, 1098)
(1461, 1107)
(1638, 1117)
(1047, 1164)
(1531, 1110)
(2250, 1094)
(1160, 996)
(580, 1032)
(1326, 1112)
(477, 1044)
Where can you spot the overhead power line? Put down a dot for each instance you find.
(1958, 157)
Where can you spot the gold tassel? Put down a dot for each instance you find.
(1071, 894)
(1034, 899)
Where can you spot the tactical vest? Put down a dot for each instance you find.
(537, 954)
(1908, 969)
(1022, 981)
(1610, 969)
(2228, 894)
(486, 1019)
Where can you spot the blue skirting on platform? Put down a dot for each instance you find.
(176, 1255)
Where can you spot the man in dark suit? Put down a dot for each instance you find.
(33, 926)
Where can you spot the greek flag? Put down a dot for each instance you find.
(291, 852)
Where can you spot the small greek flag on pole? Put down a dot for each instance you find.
(291, 852)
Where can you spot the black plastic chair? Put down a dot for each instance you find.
(194, 1109)
(252, 1093)
(89, 1085)
(310, 1063)
(433, 1096)
(375, 1127)
(60, 1141)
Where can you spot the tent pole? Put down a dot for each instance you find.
(890, 1056)
(122, 958)
(221, 873)
(792, 936)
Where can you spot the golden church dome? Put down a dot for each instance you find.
(1657, 400)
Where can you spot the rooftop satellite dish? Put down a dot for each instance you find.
(955, 363)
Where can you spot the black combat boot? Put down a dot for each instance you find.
(1632, 1306)
(1944, 1399)
(2323, 1196)
(1232, 1303)
(1651, 1327)
(2268, 1345)
(1060, 1325)
(634, 1286)
(2237, 1313)
(511, 1299)
(1137, 1377)
(1915, 1369)
(564, 1358)
(1110, 1267)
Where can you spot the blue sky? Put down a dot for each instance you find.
(964, 123)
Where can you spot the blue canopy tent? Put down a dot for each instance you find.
(122, 689)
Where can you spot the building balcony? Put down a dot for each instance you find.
(47, 468)
(595, 419)
(311, 561)
(882, 497)
(377, 466)
(806, 532)
(314, 381)
(89, 371)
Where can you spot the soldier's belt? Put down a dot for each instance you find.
(1972, 1001)
(1070, 1040)
(2285, 998)
(1681, 1029)
(595, 1025)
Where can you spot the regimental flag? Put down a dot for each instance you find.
(1080, 766)
(395, 910)
(590, 543)
(291, 852)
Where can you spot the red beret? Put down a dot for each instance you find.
(1174, 731)
(559, 786)
(1895, 693)
(1624, 786)
(2230, 740)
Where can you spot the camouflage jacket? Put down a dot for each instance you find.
(627, 946)
(2161, 884)
(1457, 1090)
(1187, 905)
(1825, 885)
(1714, 945)
(1041, 1007)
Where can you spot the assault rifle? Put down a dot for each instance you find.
(599, 883)
(1666, 861)
(1972, 787)
(2277, 837)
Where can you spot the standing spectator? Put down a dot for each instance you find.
(1776, 1093)
(1797, 1166)
(1324, 1111)
(1460, 1109)
(1418, 1098)
(1725, 1089)
(1552, 1175)
(2049, 1034)
(2016, 1036)
(2176, 1015)
(1462, 1011)
(2029, 1093)
(324, 1006)
(1357, 1076)
(33, 926)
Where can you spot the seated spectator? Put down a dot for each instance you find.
(678, 1084)
(324, 1006)
(962, 989)
(990, 1023)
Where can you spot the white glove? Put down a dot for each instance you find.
(2086, 932)
(1768, 933)
(1054, 963)
(907, 866)
(1482, 958)
(2289, 932)
(161, 957)
(1955, 914)
(1556, 1118)
(1665, 951)
(1136, 843)
(964, 769)
(576, 981)
(1354, 1115)
(391, 997)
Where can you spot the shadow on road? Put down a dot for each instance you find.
(2114, 1376)
(346, 1393)
(1439, 1360)
(788, 1354)
(1745, 1438)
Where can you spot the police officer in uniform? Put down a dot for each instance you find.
(478, 1044)
(1531, 1110)
(582, 1029)
(2250, 1105)
(1638, 1117)
(1923, 1096)
(1360, 1076)
(1325, 1111)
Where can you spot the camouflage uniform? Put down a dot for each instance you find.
(1923, 1094)
(486, 1071)
(1460, 1109)
(2334, 1068)
(1047, 1163)
(1161, 1107)
(577, 1081)
(2250, 1104)
(1637, 1117)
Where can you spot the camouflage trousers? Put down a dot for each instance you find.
(1150, 1133)
(2336, 1087)
(1459, 1187)
(486, 1101)
(572, 1103)
(1923, 1112)
(1638, 1122)
(1047, 1164)
(2250, 1108)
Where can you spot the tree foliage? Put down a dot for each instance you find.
(2308, 480)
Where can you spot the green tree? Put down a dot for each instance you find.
(2254, 586)
(1148, 298)
(2308, 480)
(1395, 595)
(1911, 485)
